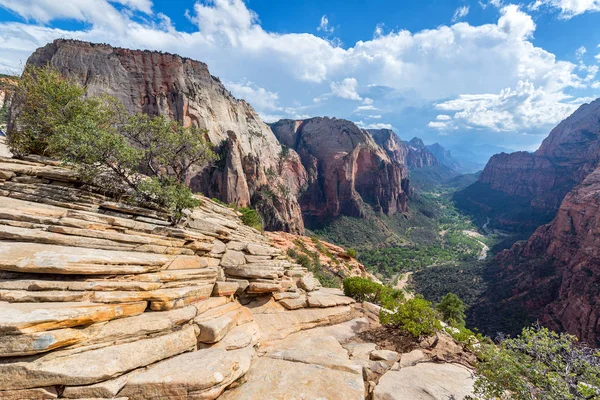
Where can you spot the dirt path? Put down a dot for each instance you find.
(403, 283)
(484, 247)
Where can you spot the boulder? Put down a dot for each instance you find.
(309, 283)
(425, 381)
(202, 374)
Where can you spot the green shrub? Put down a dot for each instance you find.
(362, 289)
(415, 317)
(44, 101)
(538, 364)
(350, 252)
(251, 218)
(452, 310)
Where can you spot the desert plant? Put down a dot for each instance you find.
(452, 309)
(251, 218)
(415, 317)
(538, 364)
(362, 289)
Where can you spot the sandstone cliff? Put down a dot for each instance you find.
(538, 182)
(346, 169)
(250, 171)
(555, 275)
(419, 156)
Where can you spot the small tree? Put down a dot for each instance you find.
(106, 145)
(452, 309)
(415, 317)
(538, 364)
(43, 102)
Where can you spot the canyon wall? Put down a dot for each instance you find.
(346, 169)
(251, 170)
(539, 181)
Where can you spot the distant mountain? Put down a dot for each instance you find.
(347, 169)
(445, 157)
(523, 190)
(419, 155)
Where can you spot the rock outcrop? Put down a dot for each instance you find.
(251, 169)
(346, 169)
(555, 275)
(445, 157)
(100, 299)
(419, 155)
(537, 182)
(334, 259)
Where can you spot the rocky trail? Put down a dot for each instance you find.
(101, 299)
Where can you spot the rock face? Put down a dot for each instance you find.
(445, 157)
(419, 155)
(555, 275)
(538, 182)
(346, 169)
(251, 169)
(414, 154)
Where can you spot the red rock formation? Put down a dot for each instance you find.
(419, 156)
(542, 179)
(557, 271)
(183, 89)
(346, 169)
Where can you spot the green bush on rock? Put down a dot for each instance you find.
(538, 364)
(452, 309)
(147, 158)
(415, 317)
(362, 289)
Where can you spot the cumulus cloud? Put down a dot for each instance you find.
(417, 69)
(568, 8)
(510, 110)
(460, 13)
(346, 89)
(580, 52)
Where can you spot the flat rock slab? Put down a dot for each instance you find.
(425, 381)
(39, 342)
(316, 299)
(281, 324)
(287, 380)
(65, 260)
(31, 317)
(202, 374)
(29, 394)
(93, 366)
(325, 351)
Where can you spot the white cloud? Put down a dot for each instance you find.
(460, 13)
(580, 52)
(346, 89)
(258, 97)
(510, 110)
(374, 116)
(494, 3)
(568, 8)
(443, 117)
(515, 22)
(421, 67)
(324, 25)
(99, 12)
(378, 125)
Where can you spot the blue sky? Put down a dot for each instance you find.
(489, 72)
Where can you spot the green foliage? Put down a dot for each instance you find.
(350, 252)
(310, 260)
(251, 218)
(466, 281)
(415, 317)
(45, 102)
(538, 364)
(362, 289)
(108, 147)
(452, 310)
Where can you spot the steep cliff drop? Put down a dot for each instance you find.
(252, 169)
(554, 276)
(524, 190)
(347, 169)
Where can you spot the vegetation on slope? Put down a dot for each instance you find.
(145, 158)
